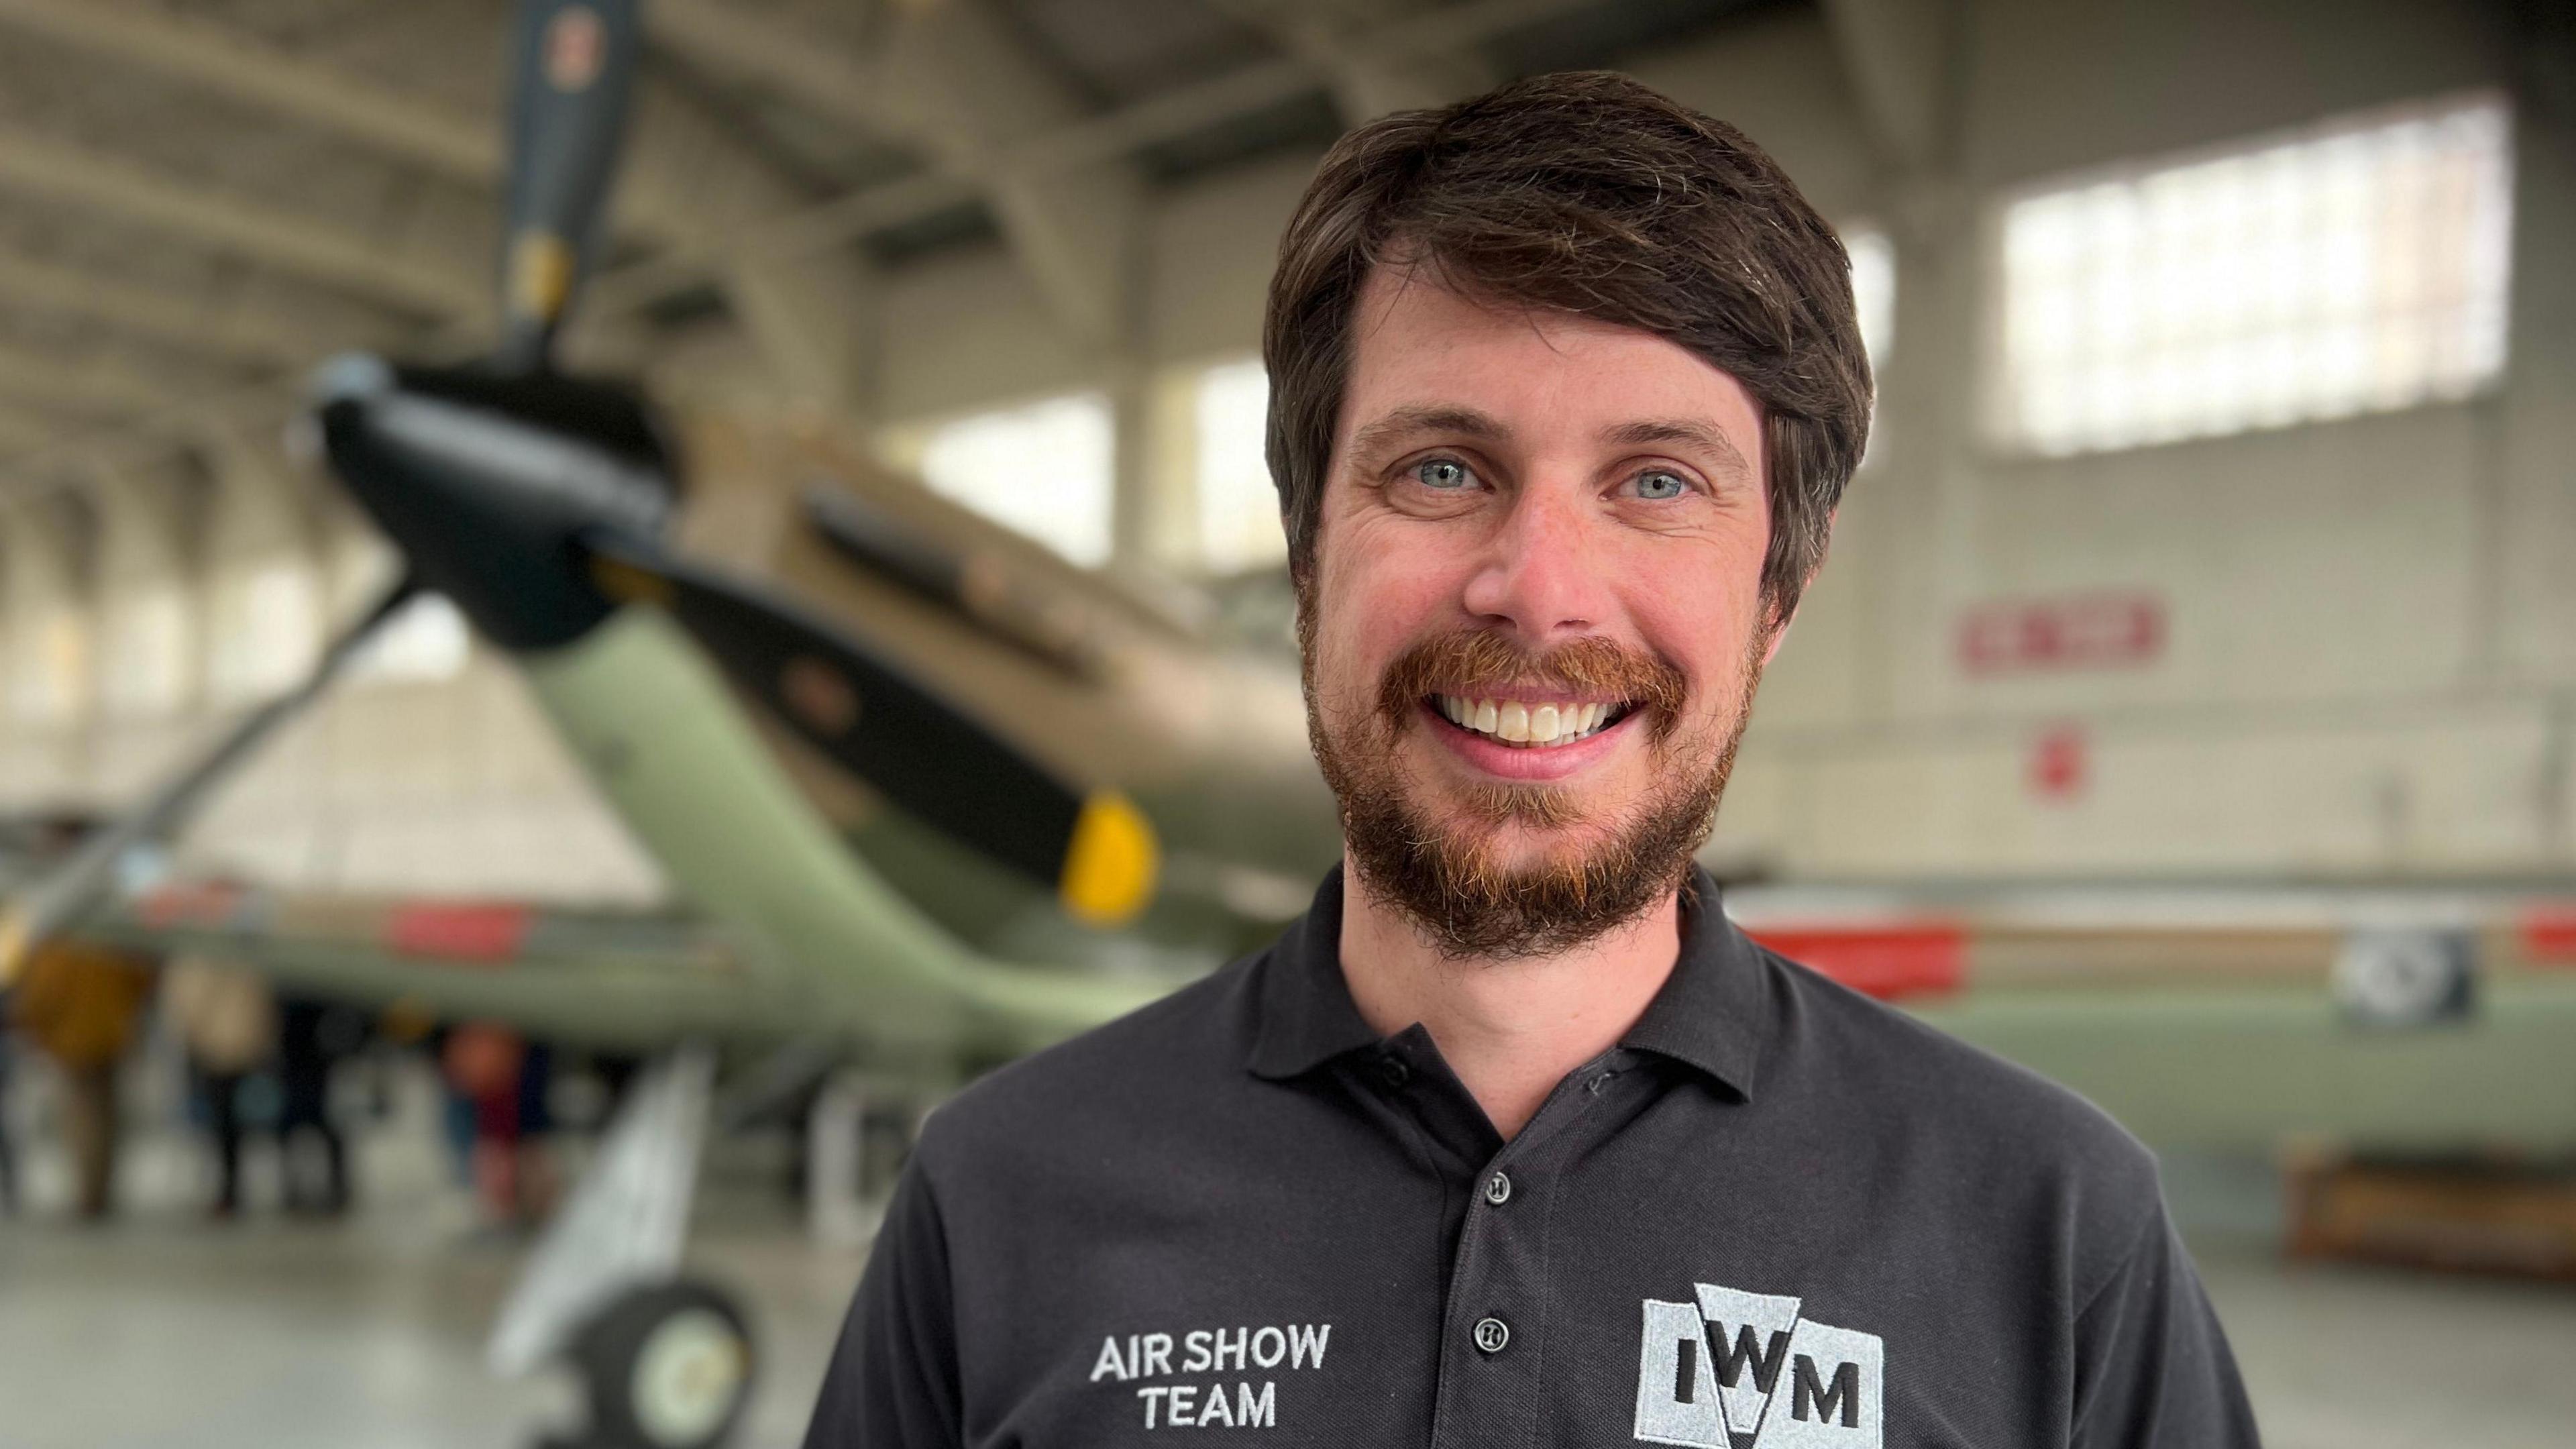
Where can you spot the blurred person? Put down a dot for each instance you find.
(314, 1037)
(226, 1019)
(8, 1147)
(1514, 1137)
(499, 1081)
(79, 1003)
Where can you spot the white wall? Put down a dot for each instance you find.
(2372, 624)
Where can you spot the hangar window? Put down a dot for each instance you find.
(1238, 509)
(146, 659)
(267, 631)
(1044, 469)
(1873, 273)
(428, 640)
(49, 663)
(2356, 267)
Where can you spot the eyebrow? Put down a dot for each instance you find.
(1408, 422)
(1686, 431)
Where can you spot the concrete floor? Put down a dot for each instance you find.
(161, 1330)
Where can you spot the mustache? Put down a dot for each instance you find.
(1468, 660)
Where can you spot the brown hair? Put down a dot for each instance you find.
(1582, 192)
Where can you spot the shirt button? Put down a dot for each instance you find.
(1392, 1071)
(1498, 1188)
(1492, 1334)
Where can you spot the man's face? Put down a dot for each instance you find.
(1535, 621)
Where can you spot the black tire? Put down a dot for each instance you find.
(665, 1366)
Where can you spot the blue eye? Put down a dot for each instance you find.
(1442, 473)
(1660, 484)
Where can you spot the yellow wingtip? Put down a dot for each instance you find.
(1111, 864)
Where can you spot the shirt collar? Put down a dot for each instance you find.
(1707, 1016)
(1307, 1015)
(1711, 1011)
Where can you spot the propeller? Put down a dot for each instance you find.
(866, 715)
(574, 71)
(75, 885)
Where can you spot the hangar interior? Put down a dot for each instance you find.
(2179, 555)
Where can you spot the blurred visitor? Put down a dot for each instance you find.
(226, 1018)
(498, 1080)
(79, 1002)
(313, 1038)
(8, 1152)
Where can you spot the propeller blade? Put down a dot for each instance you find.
(76, 884)
(574, 72)
(864, 713)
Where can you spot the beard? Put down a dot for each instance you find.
(1444, 874)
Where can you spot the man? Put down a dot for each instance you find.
(225, 1016)
(80, 1003)
(1513, 1138)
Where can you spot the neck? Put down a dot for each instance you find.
(1510, 1028)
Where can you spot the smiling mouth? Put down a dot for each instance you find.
(1545, 725)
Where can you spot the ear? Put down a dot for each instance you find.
(1779, 636)
(1780, 629)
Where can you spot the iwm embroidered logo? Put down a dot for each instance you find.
(1740, 1370)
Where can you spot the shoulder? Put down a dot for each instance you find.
(1131, 1071)
(1991, 1122)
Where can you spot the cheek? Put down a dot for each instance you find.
(1376, 593)
(1703, 617)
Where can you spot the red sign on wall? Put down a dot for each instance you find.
(2077, 631)
(2060, 763)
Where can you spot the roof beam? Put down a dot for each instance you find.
(318, 250)
(1366, 82)
(958, 73)
(243, 333)
(811, 315)
(48, 382)
(222, 59)
(1902, 56)
(1114, 135)
(952, 82)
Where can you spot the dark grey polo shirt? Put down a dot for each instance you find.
(1777, 1214)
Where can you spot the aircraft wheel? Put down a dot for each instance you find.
(667, 1366)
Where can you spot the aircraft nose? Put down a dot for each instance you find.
(487, 483)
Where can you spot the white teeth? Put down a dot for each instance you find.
(1522, 723)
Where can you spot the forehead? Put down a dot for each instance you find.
(1418, 344)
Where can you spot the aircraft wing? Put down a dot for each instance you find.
(617, 979)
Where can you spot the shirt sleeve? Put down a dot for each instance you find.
(892, 1383)
(2152, 1365)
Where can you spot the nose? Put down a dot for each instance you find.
(1543, 574)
